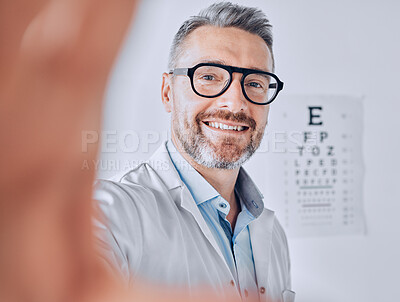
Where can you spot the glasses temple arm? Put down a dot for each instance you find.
(179, 71)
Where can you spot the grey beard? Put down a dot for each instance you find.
(203, 152)
(197, 147)
(205, 156)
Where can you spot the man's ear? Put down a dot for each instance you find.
(166, 92)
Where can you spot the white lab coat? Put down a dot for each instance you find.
(155, 231)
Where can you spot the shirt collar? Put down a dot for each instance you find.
(202, 191)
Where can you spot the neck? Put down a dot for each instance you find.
(223, 180)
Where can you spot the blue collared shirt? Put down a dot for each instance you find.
(235, 245)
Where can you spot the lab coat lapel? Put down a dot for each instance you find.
(162, 164)
(261, 241)
(188, 203)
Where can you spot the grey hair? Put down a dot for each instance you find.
(224, 14)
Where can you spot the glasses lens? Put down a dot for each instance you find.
(210, 80)
(260, 88)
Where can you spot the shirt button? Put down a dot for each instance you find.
(222, 205)
(232, 283)
(262, 289)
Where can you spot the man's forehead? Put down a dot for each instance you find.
(227, 46)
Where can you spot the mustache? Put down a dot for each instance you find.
(239, 117)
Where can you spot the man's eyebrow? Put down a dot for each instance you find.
(259, 69)
(215, 61)
(222, 62)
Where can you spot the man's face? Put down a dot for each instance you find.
(196, 121)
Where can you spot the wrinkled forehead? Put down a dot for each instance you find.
(229, 45)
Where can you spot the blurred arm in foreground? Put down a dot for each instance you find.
(55, 58)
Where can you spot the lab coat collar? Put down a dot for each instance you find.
(250, 194)
(161, 162)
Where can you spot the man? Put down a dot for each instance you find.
(191, 215)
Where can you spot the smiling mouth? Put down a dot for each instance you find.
(223, 126)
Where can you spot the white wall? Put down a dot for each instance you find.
(321, 47)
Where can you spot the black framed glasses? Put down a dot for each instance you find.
(210, 80)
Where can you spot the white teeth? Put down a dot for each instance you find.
(225, 127)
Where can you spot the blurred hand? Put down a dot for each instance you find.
(55, 58)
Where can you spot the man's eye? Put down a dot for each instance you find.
(208, 77)
(254, 85)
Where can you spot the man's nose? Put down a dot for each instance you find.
(233, 98)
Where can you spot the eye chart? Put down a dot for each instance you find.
(309, 166)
